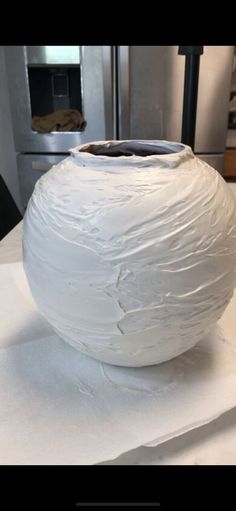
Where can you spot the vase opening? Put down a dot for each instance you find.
(132, 148)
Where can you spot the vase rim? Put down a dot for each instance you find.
(142, 153)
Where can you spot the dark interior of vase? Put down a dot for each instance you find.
(132, 148)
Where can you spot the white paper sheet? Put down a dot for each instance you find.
(58, 406)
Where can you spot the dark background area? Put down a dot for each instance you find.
(9, 213)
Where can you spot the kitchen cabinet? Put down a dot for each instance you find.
(230, 163)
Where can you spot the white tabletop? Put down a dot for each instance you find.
(213, 444)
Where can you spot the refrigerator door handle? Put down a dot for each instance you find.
(107, 59)
(123, 92)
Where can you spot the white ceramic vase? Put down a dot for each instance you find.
(130, 249)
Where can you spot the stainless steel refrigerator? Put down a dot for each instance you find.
(123, 92)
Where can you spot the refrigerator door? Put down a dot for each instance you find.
(35, 80)
(215, 76)
(150, 88)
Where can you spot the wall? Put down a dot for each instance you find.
(8, 168)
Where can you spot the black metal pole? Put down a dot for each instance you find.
(192, 62)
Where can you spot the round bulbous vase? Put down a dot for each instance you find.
(129, 248)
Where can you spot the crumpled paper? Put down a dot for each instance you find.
(57, 406)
